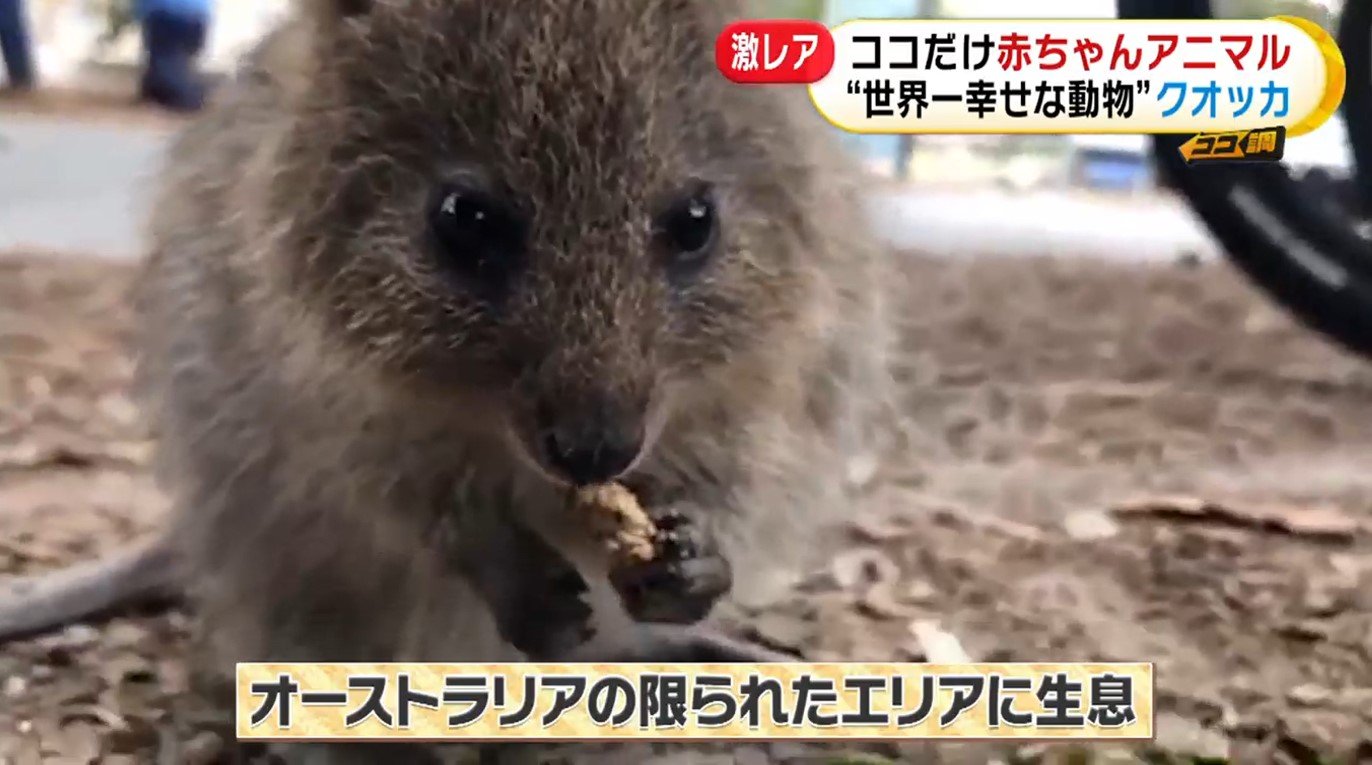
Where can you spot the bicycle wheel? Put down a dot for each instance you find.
(1292, 244)
(1355, 41)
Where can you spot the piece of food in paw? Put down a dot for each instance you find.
(617, 518)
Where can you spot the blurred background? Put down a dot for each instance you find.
(1065, 193)
(1118, 448)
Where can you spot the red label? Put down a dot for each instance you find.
(775, 51)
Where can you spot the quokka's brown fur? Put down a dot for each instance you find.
(339, 420)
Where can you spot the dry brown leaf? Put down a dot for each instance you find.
(125, 634)
(70, 691)
(135, 700)
(954, 516)
(884, 601)
(870, 529)
(95, 713)
(127, 668)
(859, 569)
(940, 646)
(1309, 695)
(134, 452)
(1316, 521)
(28, 550)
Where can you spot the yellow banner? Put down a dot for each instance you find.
(1267, 144)
(687, 702)
(1078, 76)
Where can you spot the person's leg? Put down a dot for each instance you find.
(154, 54)
(170, 79)
(196, 31)
(14, 44)
(193, 39)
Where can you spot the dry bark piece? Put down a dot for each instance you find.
(1314, 521)
(940, 646)
(878, 530)
(618, 519)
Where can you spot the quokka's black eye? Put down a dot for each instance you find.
(475, 233)
(689, 228)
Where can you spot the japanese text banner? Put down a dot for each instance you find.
(1080, 76)
(568, 702)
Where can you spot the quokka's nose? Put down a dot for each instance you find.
(589, 447)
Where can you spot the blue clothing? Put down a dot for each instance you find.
(198, 10)
(14, 44)
(171, 44)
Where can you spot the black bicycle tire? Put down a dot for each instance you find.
(1288, 247)
(1318, 291)
(1328, 232)
(1355, 42)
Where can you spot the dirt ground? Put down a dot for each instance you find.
(1107, 462)
(102, 105)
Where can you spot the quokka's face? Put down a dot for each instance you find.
(560, 206)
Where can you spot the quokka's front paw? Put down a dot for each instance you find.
(682, 581)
